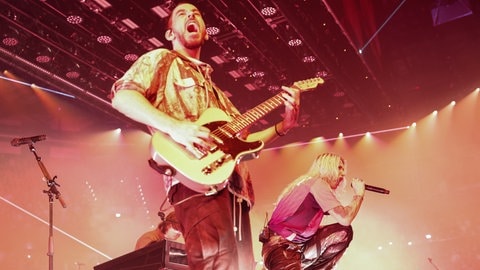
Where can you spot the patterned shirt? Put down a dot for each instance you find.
(175, 85)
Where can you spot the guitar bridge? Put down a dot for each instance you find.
(210, 168)
(201, 153)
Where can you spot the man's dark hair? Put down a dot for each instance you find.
(172, 5)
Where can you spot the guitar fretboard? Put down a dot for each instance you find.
(251, 116)
(245, 120)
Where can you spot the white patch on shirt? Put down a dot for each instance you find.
(185, 83)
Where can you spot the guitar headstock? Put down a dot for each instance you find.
(308, 84)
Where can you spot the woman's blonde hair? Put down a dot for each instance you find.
(326, 166)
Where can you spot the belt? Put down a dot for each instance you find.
(289, 238)
(276, 239)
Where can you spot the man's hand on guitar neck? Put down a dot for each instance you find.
(291, 95)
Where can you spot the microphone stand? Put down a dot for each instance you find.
(434, 265)
(51, 192)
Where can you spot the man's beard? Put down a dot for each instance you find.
(192, 44)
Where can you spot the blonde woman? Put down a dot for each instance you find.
(294, 237)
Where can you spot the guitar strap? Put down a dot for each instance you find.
(162, 169)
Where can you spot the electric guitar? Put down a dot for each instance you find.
(208, 171)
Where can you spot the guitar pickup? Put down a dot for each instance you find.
(202, 152)
(213, 147)
(207, 170)
(199, 151)
(219, 162)
(217, 142)
(216, 164)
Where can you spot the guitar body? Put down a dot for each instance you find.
(210, 172)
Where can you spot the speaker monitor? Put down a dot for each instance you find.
(162, 255)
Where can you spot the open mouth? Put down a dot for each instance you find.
(192, 27)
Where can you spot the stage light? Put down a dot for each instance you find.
(74, 19)
(72, 74)
(309, 59)
(160, 11)
(44, 55)
(104, 39)
(321, 74)
(131, 57)
(257, 74)
(43, 59)
(131, 24)
(268, 11)
(295, 42)
(103, 3)
(273, 88)
(10, 41)
(155, 42)
(242, 59)
(213, 30)
(338, 93)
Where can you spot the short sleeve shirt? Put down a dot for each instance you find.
(175, 85)
(298, 214)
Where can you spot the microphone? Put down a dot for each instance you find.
(27, 140)
(377, 189)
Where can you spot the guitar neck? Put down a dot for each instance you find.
(251, 116)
